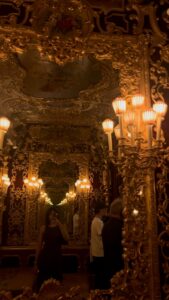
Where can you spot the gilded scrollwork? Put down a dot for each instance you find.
(162, 185)
(16, 200)
(159, 62)
(119, 35)
(137, 189)
(159, 72)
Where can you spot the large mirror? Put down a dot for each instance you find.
(62, 133)
(57, 87)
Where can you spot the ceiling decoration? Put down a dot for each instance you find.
(57, 114)
(49, 80)
(50, 27)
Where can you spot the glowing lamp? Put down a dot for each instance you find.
(4, 124)
(77, 183)
(137, 100)
(40, 181)
(108, 126)
(149, 117)
(119, 105)
(160, 108)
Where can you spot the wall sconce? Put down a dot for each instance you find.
(135, 128)
(44, 196)
(70, 196)
(83, 186)
(6, 180)
(33, 182)
(4, 126)
(4, 184)
(63, 202)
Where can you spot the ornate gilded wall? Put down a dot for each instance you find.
(56, 111)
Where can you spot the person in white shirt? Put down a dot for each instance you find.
(97, 253)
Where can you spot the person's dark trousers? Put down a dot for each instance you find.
(98, 268)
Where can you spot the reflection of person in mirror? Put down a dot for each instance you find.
(76, 226)
(96, 249)
(112, 241)
(48, 259)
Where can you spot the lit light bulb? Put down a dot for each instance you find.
(160, 108)
(149, 116)
(135, 212)
(108, 126)
(119, 105)
(137, 100)
(4, 124)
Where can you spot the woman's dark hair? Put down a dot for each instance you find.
(48, 214)
(99, 206)
(76, 210)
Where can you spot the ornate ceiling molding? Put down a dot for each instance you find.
(60, 31)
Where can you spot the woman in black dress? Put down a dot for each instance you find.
(48, 258)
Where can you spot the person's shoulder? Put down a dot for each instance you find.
(97, 220)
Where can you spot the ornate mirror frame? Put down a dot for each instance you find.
(131, 56)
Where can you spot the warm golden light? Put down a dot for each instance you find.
(129, 117)
(108, 126)
(149, 117)
(33, 182)
(119, 105)
(4, 124)
(160, 108)
(131, 129)
(83, 185)
(77, 183)
(135, 212)
(137, 100)
(117, 132)
(6, 179)
(40, 181)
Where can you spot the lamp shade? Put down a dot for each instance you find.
(4, 124)
(108, 126)
(77, 183)
(137, 101)
(149, 116)
(160, 108)
(119, 105)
